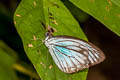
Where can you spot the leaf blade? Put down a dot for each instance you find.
(29, 21)
(107, 12)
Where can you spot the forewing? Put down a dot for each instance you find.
(72, 54)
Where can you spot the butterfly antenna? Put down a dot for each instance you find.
(48, 16)
(49, 28)
(48, 24)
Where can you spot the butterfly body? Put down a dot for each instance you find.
(72, 54)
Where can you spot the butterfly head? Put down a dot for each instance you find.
(48, 35)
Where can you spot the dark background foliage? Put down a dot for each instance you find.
(96, 32)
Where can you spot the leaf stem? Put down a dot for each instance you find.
(25, 71)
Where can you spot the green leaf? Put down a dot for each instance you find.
(106, 11)
(29, 17)
(6, 63)
(117, 2)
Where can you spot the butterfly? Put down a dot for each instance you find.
(72, 54)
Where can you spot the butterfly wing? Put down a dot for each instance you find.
(72, 54)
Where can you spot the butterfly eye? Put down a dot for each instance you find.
(47, 34)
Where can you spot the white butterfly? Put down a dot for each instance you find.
(72, 54)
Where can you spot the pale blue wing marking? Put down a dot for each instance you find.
(71, 53)
(64, 50)
(83, 45)
(58, 59)
(72, 61)
(64, 58)
(65, 41)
